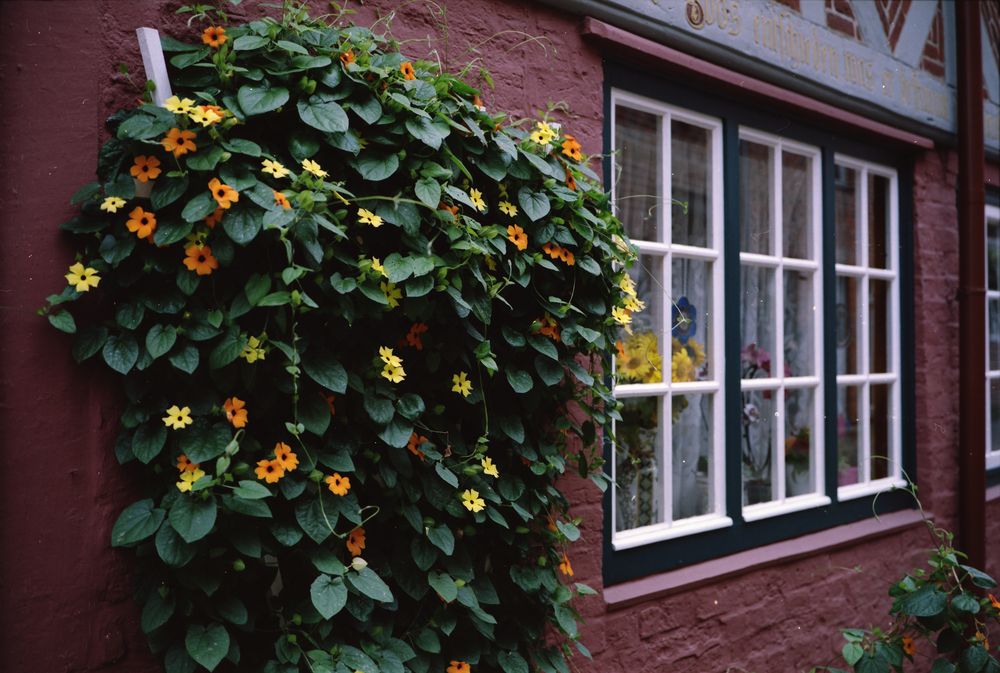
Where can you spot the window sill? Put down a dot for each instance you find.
(658, 533)
(993, 493)
(683, 579)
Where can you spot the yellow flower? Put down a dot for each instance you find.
(377, 266)
(627, 285)
(564, 567)
(337, 484)
(623, 317)
(253, 350)
(462, 384)
(274, 168)
(640, 360)
(393, 374)
(472, 501)
(204, 116)
(179, 106)
(489, 468)
(385, 353)
(178, 418)
(476, 197)
(392, 294)
(112, 203)
(368, 217)
(634, 305)
(682, 367)
(543, 134)
(188, 479)
(82, 278)
(314, 168)
(508, 208)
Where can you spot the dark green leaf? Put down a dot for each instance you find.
(257, 99)
(202, 442)
(174, 551)
(63, 322)
(974, 659)
(88, 341)
(241, 146)
(329, 595)
(243, 223)
(512, 662)
(926, 601)
(156, 612)
(428, 132)
(160, 339)
(249, 42)
(535, 204)
(136, 523)
(325, 369)
(370, 584)
(205, 160)
(171, 230)
(199, 207)
(121, 352)
(979, 578)
(251, 490)
(519, 380)
(227, 348)
(207, 645)
(185, 359)
(428, 641)
(166, 190)
(966, 603)
(148, 440)
(373, 167)
(444, 585)
(192, 517)
(428, 191)
(323, 112)
(315, 520)
(442, 538)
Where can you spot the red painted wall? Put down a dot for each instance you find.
(66, 596)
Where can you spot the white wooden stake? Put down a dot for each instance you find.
(153, 63)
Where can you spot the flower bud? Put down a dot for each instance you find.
(239, 566)
(359, 564)
(297, 619)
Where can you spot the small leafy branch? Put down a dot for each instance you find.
(357, 319)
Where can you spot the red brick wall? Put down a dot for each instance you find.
(67, 604)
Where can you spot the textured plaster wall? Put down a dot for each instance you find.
(66, 597)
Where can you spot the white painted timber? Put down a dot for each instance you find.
(154, 63)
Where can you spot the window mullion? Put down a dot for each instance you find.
(866, 420)
(667, 302)
(777, 241)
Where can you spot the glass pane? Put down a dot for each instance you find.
(846, 215)
(692, 449)
(881, 431)
(993, 254)
(755, 197)
(880, 359)
(800, 417)
(800, 315)
(638, 456)
(994, 415)
(690, 322)
(796, 206)
(848, 434)
(691, 182)
(878, 221)
(757, 441)
(756, 321)
(848, 322)
(637, 190)
(994, 334)
(640, 354)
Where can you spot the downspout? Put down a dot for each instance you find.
(972, 287)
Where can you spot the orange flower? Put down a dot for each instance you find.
(413, 336)
(909, 646)
(570, 182)
(356, 541)
(994, 601)
(567, 256)
(281, 200)
(284, 455)
(551, 250)
(236, 412)
(621, 349)
(413, 446)
(478, 102)
(141, 223)
(145, 168)
(223, 194)
(184, 464)
(407, 69)
(451, 209)
(329, 402)
(214, 36)
(564, 567)
(347, 58)
(338, 485)
(571, 148)
(516, 235)
(214, 218)
(200, 260)
(459, 667)
(179, 142)
(270, 471)
(549, 328)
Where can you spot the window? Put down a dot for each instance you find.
(993, 336)
(762, 387)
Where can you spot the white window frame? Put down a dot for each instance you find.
(862, 272)
(992, 214)
(777, 263)
(667, 252)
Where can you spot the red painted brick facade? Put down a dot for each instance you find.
(67, 603)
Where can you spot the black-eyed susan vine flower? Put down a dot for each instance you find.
(314, 168)
(564, 566)
(414, 443)
(223, 194)
(547, 326)
(82, 278)
(204, 115)
(413, 335)
(489, 467)
(275, 168)
(281, 200)
(476, 197)
(407, 69)
(461, 384)
(178, 418)
(393, 369)
(199, 259)
(623, 317)
(458, 667)
(236, 412)
(368, 217)
(356, 541)
(543, 133)
(111, 204)
(253, 351)
(179, 106)
(214, 36)
(508, 208)
(140, 222)
(179, 142)
(378, 268)
(271, 471)
(572, 148)
(338, 484)
(214, 218)
(187, 480)
(392, 293)
(516, 235)
(145, 168)
(285, 456)
(184, 464)
(472, 501)
(347, 58)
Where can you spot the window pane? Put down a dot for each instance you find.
(637, 190)
(755, 197)
(878, 222)
(994, 334)
(640, 354)
(848, 321)
(638, 461)
(757, 441)
(796, 206)
(690, 322)
(881, 437)
(994, 415)
(692, 448)
(846, 215)
(691, 182)
(879, 326)
(800, 314)
(756, 321)
(993, 254)
(799, 424)
(848, 434)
